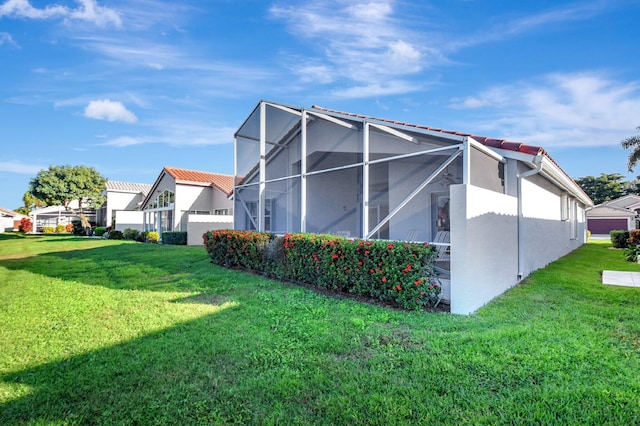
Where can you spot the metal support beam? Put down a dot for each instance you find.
(413, 194)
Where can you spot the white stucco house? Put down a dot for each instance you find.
(10, 220)
(622, 213)
(189, 200)
(121, 208)
(508, 207)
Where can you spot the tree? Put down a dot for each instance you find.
(604, 188)
(62, 185)
(31, 202)
(632, 142)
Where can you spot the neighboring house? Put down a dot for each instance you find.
(621, 213)
(508, 207)
(58, 215)
(10, 220)
(121, 208)
(189, 200)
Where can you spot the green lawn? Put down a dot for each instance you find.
(113, 332)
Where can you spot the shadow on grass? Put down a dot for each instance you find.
(124, 266)
(4, 236)
(181, 375)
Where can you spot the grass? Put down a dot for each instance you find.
(112, 332)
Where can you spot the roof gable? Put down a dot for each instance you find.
(223, 182)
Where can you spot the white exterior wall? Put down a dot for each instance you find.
(120, 201)
(199, 224)
(129, 219)
(6, 224)
(545, 236)
(484, 246)
(190, 197)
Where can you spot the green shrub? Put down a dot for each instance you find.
(619, 238)
(48, 229)
(130, 234)
(114, 234)
(153, 237)
(78, 229)
(142, 237)
(395, 272)
(60, 229)
(99, 231)
(177, 238)
(631, 253)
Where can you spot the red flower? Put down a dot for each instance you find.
(430, 287)
(390, 246)
(384, 279)
(398, 287)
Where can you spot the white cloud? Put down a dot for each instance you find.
(570, 109)
(87, 10)
(109, 110)
(5, 38)
(21, 168)
(363, 43)
(123, 141)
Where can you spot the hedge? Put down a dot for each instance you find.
(178, 238)
(393, 272)
(619, 238)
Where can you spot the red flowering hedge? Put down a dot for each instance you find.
(396, 272)
(26, 225)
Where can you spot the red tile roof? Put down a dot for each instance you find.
(222, 182)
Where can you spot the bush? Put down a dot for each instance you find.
(115, 235)
(631, 253)
(153, 237)
(78, 229)
(99, 231)
(395, 272)
(60, 228)
(25, 225)
(634, 237)
(619, 238)
(142, 236)
(48, 229)
(177, 238)
(130, 234)
(69, 227)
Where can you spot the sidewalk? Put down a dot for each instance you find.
(621, 278)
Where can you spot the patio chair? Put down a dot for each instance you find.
(442, 244)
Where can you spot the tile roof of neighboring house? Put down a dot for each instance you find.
(7, 212)
(220, 181)
(604, 210)
(114, 185)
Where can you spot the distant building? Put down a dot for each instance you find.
(621, 213)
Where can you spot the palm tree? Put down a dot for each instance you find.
(634, 157)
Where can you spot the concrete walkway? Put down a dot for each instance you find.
(622, 278)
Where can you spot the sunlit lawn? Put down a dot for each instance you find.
(109, 332)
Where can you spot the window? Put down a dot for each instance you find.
(220, 212)
(565, 207)
(574, 219)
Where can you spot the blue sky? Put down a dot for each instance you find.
(129, 86)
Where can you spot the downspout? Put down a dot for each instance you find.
(538, 163)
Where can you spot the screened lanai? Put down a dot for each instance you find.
(321, 171)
